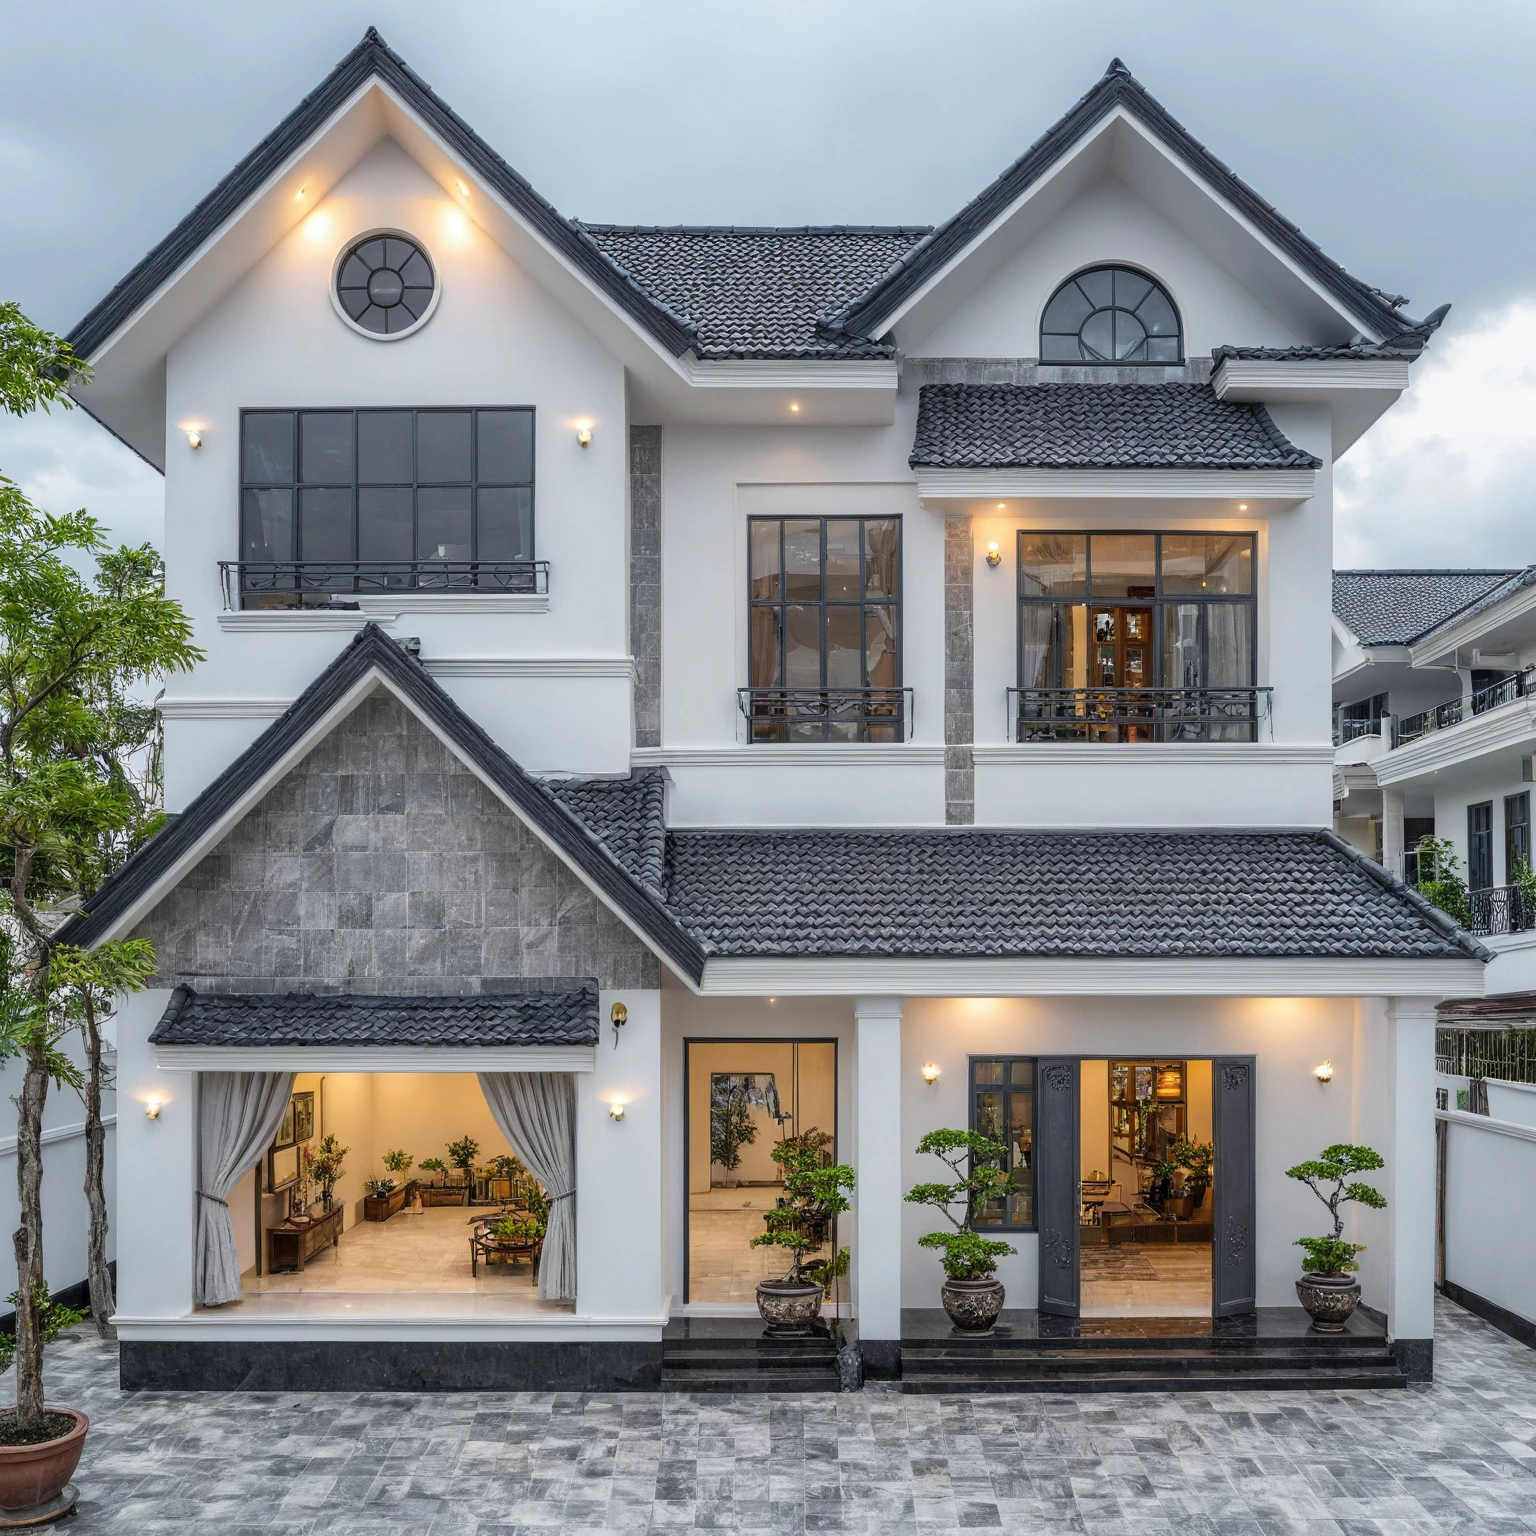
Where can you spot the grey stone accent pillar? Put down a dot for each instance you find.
(959, 672)
(645, 580)
(1392, 831)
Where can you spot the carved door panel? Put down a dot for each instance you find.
(1057, 1203)
(1234, 1271)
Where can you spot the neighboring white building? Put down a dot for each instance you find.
(879, 674)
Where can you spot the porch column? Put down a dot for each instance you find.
(1392, 831)
(877, 1199)
(1410, 1184)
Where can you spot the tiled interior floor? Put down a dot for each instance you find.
(723, 1266)
(1147, 1280)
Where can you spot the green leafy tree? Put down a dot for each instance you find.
(807, 1212)
(731, 1127)
(398, 1162)
(1337, 1167)
(976, 1161)
(1440, 881)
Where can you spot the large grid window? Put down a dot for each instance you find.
(1517, 834)
(1003, 1107)
(824, 641)
(387, 486)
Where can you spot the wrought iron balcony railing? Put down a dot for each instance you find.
(826, 714)
(1353, 730)
(1443, 716)
(1137, 714)
(1500, 909)
(330, 583)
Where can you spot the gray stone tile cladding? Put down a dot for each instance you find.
(645, 580)
(381, 864)
(959, 672)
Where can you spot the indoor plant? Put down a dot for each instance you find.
(1196, 1159)
(462, 1154)
(398, 1162)
(434, 1165)
(1327, 1288)
(812, 1201)
(731, 1126)
(324, 1167)
(972, 1295)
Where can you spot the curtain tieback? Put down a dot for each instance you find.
(566, 1196)
(206, 1196)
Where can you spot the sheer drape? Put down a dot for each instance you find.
(238, 1114)
(536, 1112)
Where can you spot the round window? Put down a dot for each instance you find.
(385, 285)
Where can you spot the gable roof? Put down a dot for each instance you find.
(1099, 426)
(1117, 88)
(1397, 607)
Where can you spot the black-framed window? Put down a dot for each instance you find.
(388, 485)
(1517, 834)
(1111, 315)
(1480, 845)
(1003, 1107)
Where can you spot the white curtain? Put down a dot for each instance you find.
(238, 1114)
(536, 1112)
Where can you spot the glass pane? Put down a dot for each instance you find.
(1053, 564)
(267, 521)
(504, 526)
(1213, 563)
(442, 446)
(1181, 645)
(384, 523)
(763, 580)
(1123, 565)
(1228, 645)
(1099, 286)
(1162, 349)
(802, 647)
(1060, 349)
(880, 650)
(442, 525)
(989, 1071)
(845, 648)
(989, 1121)
(1021, 1074)
(384, 448)
(1157, 315)
(325, 525)
(1098, 336)
(269, 448)
(1130, 288)
(1130, 338)
(843, 547)
(1067, 311)
(764, 636)
(506, 447)
(802, 559)
(325, 447)
(1039, 626)
(882, 557)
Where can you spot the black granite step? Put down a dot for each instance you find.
(1331, 1379)
(737, 1355)
(758, 1381)
(1151, 1362)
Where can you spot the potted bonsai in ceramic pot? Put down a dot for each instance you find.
(973, 1296)
(1328, 1288)
(813, 1199)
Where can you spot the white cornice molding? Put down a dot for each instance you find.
(374, 1058)
(1091, 754)
(221, 709)
(404, 604)
(819, 754)
(1510, 725)
(1088, 977)
(1261, 377)
(1471, 629)
(1284, 485)
(531, 666)
(791, 373)
(302, 621)
(1511, 1128)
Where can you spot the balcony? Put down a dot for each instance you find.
(1354, 730)
(826, 714)
(1443, 716)
(1499, 909)
(1136, 714)
(289, 584)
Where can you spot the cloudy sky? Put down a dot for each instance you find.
(1398, 135)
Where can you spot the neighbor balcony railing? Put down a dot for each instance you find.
(826, 714)
(1499, 909)
(321, 583)
(1353, 730)
(1506, 1055)
(1136, 714)
(1443, 716)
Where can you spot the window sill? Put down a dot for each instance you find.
(383, 610)
(783, 754)
(1185, 753)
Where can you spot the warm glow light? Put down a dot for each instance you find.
(1242, 506)
(1324, 1072)
(994, 556)
(463, 190)
(616, 1110)
(152, 1108)
(317, 226)
(584, 434)
(455, 225)
(794, 405)
(194, 438)
(298, 196)
(930, 1071)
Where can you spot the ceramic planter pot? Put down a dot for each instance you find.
(34, 1479)
(973, 1305)
(1329, 1300)
(788, 1308)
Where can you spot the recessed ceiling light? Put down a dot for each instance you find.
(794, 405)
(1242, 506)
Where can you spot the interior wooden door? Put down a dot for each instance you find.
(1058, 1204)
(1234, 1271)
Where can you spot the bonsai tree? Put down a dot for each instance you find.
(324, 1167)
(398, 1162)
(511, 1230)
(731, 1126)
(813, 1199)
(378, 1188)
(434, 1165)
(1337, 1167)
(462, 1154)
(976, 1163)
(1195, 1158)
(1440, 881)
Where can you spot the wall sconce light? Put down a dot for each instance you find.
(152, 1109)
(616, 1110)
(618, 1016)
(994, 556)
(194, 438)
(930, 1072)
(1323, 1072)
(584, 436)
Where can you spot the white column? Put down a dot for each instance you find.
(1410, 1182)
(1392, 831)
(877, 1150)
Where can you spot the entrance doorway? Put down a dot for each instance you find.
(743, 1098)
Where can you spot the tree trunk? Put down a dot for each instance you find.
(103, 1302)
(29, 1238)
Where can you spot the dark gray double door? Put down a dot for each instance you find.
(1058, 1199)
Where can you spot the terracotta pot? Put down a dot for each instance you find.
(788, 1308)
(973, 1305)
(1329, 1300)
(32, 1476)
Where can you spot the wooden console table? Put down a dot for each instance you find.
(290, 1247)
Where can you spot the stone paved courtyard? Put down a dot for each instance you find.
(1460, 1456)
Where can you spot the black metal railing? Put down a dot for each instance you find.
(1506, 1055)
(826, 714)
(329, 583)
(1443, 716)
(1353, 730)
(1500, 909)
(1137, 714)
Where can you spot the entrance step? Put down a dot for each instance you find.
(736, 1355)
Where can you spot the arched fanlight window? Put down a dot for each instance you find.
(1110, 315)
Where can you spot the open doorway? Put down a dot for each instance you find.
(1146, 1149)
(744, 1098)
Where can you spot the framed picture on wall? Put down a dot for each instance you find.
(282, 1168)
(303, 1110)
(285, 1136)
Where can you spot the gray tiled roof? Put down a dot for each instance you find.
(627, 817)
(563, 1015)
(759, 292)
(1398, 607)
(1098, 426)
(1363, 352)
(1149, 894)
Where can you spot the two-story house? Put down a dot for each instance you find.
(673, 689)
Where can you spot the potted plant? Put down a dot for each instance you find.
(462, 1154)
(1327, 1288)
(35, 1468)
(434, 1166)
(1196, 1159)
(812, 1201)
(731, 1126)
(324, 1168)
(379, 1204)
(972, 1295)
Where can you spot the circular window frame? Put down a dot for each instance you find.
(372, 234)
(1104, 265)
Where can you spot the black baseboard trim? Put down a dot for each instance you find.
(77, 1295)
(1502, 1318)
(882, 1359)
(1415, 1358)
(334, 1365)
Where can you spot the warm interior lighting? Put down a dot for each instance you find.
(1242, 506)
(616, 1110)
(994, 556)
(194, 438)
(584, 435)
(152, 1109)
(930, 1072)
(1323, 1072)
(455, 225)
(463, 190)
(298, 196)
(794, 405)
